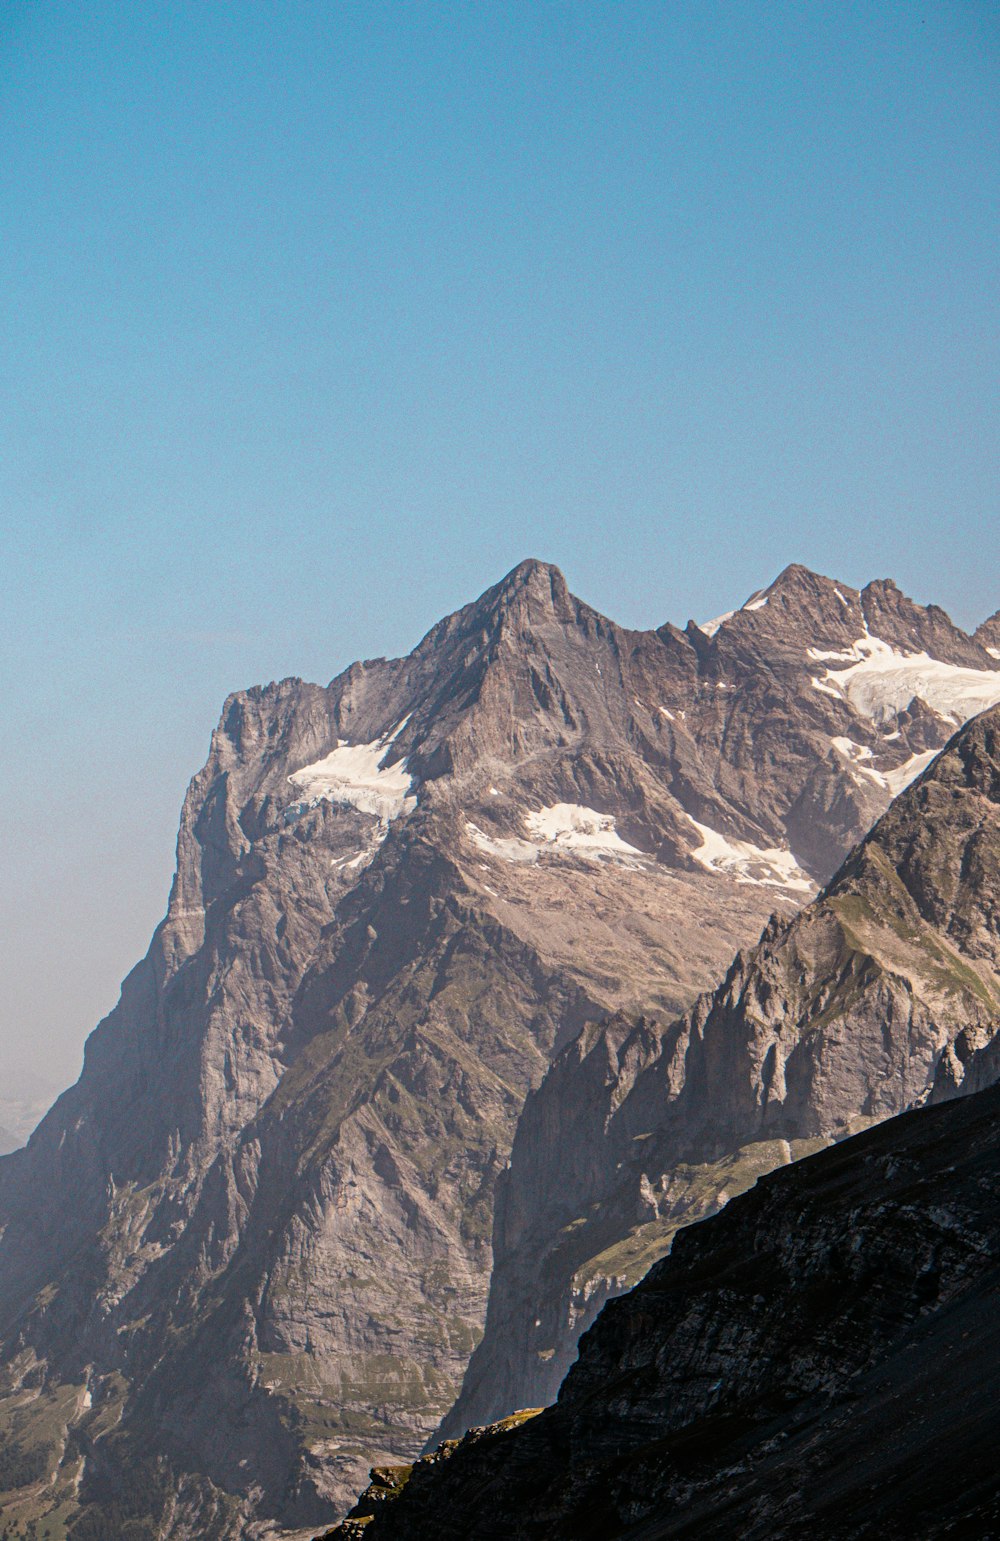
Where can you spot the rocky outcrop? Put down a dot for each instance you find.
(818, 1359)
(883, 991)
(988, 635)
(396, 898)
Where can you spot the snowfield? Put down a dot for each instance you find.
(894, 781)
(355, 775)
(880, 682)
(560, 828)
(775, 867)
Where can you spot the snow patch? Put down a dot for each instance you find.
(575, 828)
(879, 682)
(748, 863)
(994, 652)
(857, 754)
(665, 713)
(897, 780)
(562, 827)
(841, 597)
(756, 601)
(711, 627)
(508, 849)
(892, 781)
(355, 775)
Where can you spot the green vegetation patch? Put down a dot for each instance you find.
(695, 1193)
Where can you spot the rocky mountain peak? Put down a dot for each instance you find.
(798, 581)
(939, 844)
(532, 593)
(536, 584)
(799, 608)
(805, 610)
(911, 628)
(988, 635)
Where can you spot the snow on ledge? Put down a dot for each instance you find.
(711, 627)
(757, 601)
(579, 829)
(560, 828)
(355, 775)
(773, 868)
(892, 781)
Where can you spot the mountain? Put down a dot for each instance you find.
(882, 992)
(818, 1359)
(250, 1250)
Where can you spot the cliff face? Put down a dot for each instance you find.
(818, 1359)
(884, 991)
(396, 898)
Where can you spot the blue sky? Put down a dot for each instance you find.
(316, 318)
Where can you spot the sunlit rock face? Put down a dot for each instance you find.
(249, 1252)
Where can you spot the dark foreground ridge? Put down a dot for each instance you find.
(819, 1359)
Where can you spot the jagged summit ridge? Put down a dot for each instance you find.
(988, 635)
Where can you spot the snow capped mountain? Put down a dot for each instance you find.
(397, 898)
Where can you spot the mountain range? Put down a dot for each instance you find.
(250, 1252)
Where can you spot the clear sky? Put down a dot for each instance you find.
(317, 317)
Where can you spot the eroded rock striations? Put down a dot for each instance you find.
(818, 1359)
(882, 992)
(248, 1253)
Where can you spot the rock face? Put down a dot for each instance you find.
(882, 992)
(988, 635)
(396, 898)
(818, 1359)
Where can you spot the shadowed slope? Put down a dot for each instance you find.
(818, 1359)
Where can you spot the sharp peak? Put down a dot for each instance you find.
(530, 570)
(797, 575)
(532, 583)
(970, 759)
(795, 580)
(530, 591)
